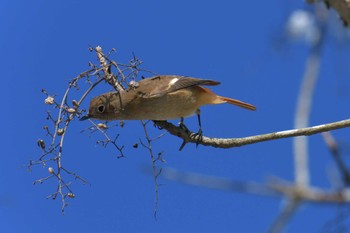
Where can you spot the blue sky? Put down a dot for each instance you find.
(44, 44)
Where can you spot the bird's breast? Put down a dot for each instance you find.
(173, 105)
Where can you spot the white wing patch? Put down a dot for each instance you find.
(173, 81)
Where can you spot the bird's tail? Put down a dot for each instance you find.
(237, 103)
(212, 98)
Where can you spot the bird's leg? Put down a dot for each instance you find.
(199, 121)
(182, 125)
(200, 132)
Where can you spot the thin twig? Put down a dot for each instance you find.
(109, 140)
(108, 74)
(156, 172)
(334, 149)
(273, 188)
(283, 218)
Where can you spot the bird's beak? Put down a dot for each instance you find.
(85, 118)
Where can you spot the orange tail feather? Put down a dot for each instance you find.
(238, 103)
(212, 98)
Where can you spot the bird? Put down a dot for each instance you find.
(158, 98)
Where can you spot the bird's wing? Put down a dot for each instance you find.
(172, 83)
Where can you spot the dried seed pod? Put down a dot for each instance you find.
(102, 126)
(75, 104)
(49, 100)
(41, 144)
(51, 170)
(60, 132)
(121, 123)
(71, 110)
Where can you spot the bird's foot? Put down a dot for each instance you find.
(199, 136)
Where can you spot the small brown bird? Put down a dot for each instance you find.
(163, 97)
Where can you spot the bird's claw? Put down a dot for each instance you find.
(199, 136)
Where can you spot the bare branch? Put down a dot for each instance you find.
(236, 142)
(304, 103)
(68, 110)
(283, 218)
(334, 149)
(274, 187)
(106, 70)
(214, 182)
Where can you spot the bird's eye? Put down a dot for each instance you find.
(101, 108)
